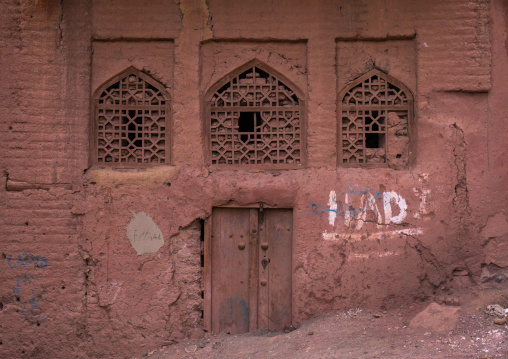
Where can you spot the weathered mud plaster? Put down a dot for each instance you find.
(64, 224)
(495, 242)
(111, 57)
(461, 199)
(116, 275)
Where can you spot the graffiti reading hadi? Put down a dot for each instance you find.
(355, 208)
(367, 201)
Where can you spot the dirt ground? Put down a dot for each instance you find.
(361, 333)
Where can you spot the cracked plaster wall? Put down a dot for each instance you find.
(65, 247)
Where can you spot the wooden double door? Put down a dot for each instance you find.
(248, 270)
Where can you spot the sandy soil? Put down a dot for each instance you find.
(357, 333)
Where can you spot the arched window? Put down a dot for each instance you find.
(255, 119)
(375, 112)
(131, 121)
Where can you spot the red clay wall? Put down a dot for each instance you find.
(72, 282)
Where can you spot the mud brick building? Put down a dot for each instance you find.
(174, 167)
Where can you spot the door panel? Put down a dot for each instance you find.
(253, 269)
(230, 270)
(279, 224)
(250, 270)
(263, 268)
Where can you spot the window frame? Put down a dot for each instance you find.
(410, 120)
(208, 109)
(93, 153)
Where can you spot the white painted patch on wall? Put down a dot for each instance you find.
(330, 236)
(144, 235)
(423, 195)
(409, 231)
(332, 202)
(393, 196)
(368, 202)
(347, 213)
(358, 236)
(357, 256)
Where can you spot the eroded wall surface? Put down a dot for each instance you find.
(100, 262)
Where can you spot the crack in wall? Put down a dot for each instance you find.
(19, 186)
(424, 252)
(83, 329)
(427, 257)
(461, 199)
(209, 23)
(60, 26)
(200, 20)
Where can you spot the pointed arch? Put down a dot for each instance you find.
(131, 121)
(255, 118)
(375, 112)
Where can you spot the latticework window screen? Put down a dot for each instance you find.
(131, 121)
(374, 113)
(256, 119)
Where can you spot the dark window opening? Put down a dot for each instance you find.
(374, 140)
(131, 135)
(202, 254)
(202, 241)
(249, 122)
(224, 88)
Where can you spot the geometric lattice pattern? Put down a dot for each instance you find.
(364, 109)
(255, 120)
(131, 119)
